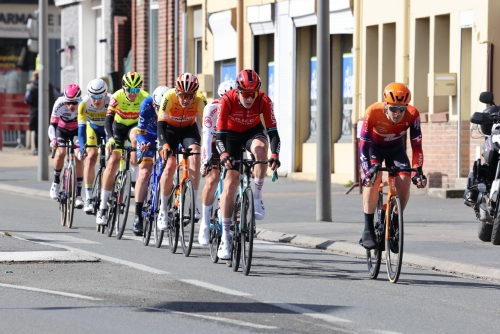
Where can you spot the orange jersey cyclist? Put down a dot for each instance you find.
(177, 125)
(239, 125)
(120, 125)
(381, 138)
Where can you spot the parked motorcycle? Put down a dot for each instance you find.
(483, 184)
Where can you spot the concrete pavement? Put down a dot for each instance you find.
(440, 233)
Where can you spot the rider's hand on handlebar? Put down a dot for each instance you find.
(54, 144)
(110, 145)
(367, 181)
(419, 180)
(165, 152)
(204, 167)
(226, 161)
(274, 163)
(144, 146)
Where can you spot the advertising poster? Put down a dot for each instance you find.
(228, 72)
(270, 80)
(314, 98)
(347, 71)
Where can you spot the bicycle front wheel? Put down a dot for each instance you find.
(394, 244)
(173, 219)
(214, 231)
(62, 199)
(96, 197)
(71, 195)
(187, 217)
(148, 213)
(235, 234)
(247, 230)
(374, 256)
(122, 202)
(157, 234)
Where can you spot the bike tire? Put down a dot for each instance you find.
(173, 220)
(111, 205)
(495, 231)
(148, 213)
(394, 244)
(235, 236)
(485, 231)
(71, 196)
(186, 217)
(123, 203)
(247, 230)
(158, 234)
(214, 239)
(374, 256)
(62, 199)
(96, 197)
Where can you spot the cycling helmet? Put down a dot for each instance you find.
(132, 80)
(158, 94)
(186, 83)
(97, 87)
(225, 86)
(72, 92)
(248, 80)
(397, 93)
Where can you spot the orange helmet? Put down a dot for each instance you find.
(397, 93)
(186, 83)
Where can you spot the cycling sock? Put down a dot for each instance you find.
(164, 202)
(257, 193)
(226, 223)
(369, 221)
(79, 184)
(88, 192)
(104, 198)
(138, 208)
(57, 175)
(206, 211)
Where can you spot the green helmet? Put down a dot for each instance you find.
(132, 80)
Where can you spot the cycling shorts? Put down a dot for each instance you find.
(236, 140)
(393, 156)
(148, 156)
(121, 134)
(62, 135)
(185, 136)
(94, 136)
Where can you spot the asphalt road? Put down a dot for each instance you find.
(290, 289)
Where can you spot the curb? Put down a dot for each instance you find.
(45, 256)
(409, 259)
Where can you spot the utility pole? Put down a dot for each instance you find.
(323, 145)
(43, 93)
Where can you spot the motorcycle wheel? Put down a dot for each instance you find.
(484, 231)
(495, 233)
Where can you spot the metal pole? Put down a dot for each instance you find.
(324, 143)
(176, 38)
(239, 35)
(43, 93)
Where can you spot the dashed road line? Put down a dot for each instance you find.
(60, 293)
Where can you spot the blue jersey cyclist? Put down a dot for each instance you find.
(146, 146)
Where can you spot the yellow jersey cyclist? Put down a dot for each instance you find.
(120, 125)
(91, 115)
(177, 124)
(146, 148)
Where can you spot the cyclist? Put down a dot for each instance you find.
(146, 147)
(385, 124)
(239, 124)
(64, 125)
(121, 119)
(91, 116)
(210, 114)
(177, 124)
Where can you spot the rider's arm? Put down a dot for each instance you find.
(54, 119)
(82, 124)
(416, 141)
(222, 125)
(163, 114)
(144, 119)
(365, 142)
(110, 116)
(271, 124)
(208, 126)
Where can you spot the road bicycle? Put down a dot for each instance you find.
(95, 198)
(242, 227)
(180, 208)
(67, 191)
(151, 207)
(389, 226)
(119, 199)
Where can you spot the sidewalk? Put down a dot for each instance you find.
(440, 233)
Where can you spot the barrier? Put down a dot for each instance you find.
(14, 119)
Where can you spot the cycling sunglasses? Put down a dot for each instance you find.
(71, 103)
(395, 109)
(96, 97)
(188, 96)
(132, 90)
(249, 93)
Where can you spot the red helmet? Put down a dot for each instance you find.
(248, 80)
(397, 93)
(186, 83)
(72, 92)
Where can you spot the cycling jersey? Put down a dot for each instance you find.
(124, 111)
(175, 115)
(63, 117)
(210, 115)
(379, 131)
(147, 128)
(89, 117)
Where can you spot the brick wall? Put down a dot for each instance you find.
(122, 42)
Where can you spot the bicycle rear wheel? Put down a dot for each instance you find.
(148, 213)
(247, 230)
(187, 208)
(71, 195)
(235, 235)
(122, 203)
(214, 232)
(96, 197)
(394, 244)
(173, 219)
(374, 256)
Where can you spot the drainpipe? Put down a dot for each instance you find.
(406, 50)
(184, 36)
(356, 114)
(239, 31)
(176, 38)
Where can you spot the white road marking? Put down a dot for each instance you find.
(52, 256)
(229, 321)
(310, 313)
(215, 287)
(60, 293)
(57, 238)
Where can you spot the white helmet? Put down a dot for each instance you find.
(225, 86)
(158, 94)
(97, 87)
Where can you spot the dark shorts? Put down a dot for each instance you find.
(186, 137)
(235, 141)
(62, 135)
(393, 156)
(121, 133)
